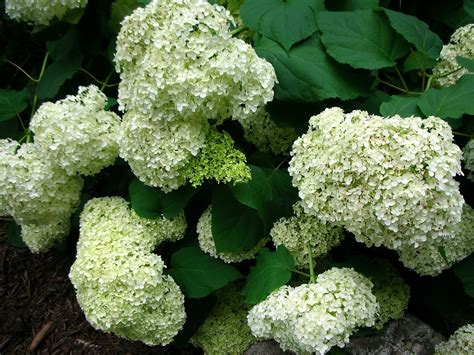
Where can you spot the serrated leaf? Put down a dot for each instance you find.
(416, 32)
(307, 74)
(417, 60)
(199, 274)
(284, 21)
(451, 102)
(12, 103)
(465, 273)
(466, 63)
(273, 270)
(404, 106)
(235, 226)
(349, 5)
(362, 38)
(13, 234)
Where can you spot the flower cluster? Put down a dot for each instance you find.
(468, 155)
(180, 67)
(434, 256)
(207, 244)
(302, 232)
(39, 195)
(40, 12)
(460, 343)
(261, 131)
(225, 330)
(390, 181)
(77, 134)
(120, 283)
(447, 71)
(315, 317)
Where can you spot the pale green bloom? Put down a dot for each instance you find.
(460, 343)
(40, 237)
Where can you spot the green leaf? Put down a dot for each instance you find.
(404, 106)
(284, 21)
(12, 103)
(468, 6)
(13, 234)
(451, 102)
(273, 270)
(362, 38)
(234, 226)
(417, 60)
(9, 128)
(199, 274)
(63, 47)
(56, 75)
(73, 16)
(151, 202)
(350, 5)
(111, 102)
(308, 74)
(466, 63)
(416, 32)
(465, 273)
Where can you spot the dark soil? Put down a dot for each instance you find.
(39, 311)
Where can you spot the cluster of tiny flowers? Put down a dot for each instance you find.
(262, 132)
(312, 318)
(120, 284)
(40, 12)
(390, 181)
(302, 232)
(460, 343)
(76, 133)
(207, 244)
(225, 330)
(428, 258)
(39, 195)
(468, 155)
(447, 71)
(219, 160)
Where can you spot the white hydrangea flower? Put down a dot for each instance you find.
(77, 133)
(41, 237)
(41, 12)
(119, 281)
(468, 155)
(225, 330)
(312, 318)
(261, 131)
(460, 343)
(157, 151)
(390, 181)
(178, 58)
(427, 259)
(8, 149)
(207, 244)
(33, 189)
(302, 231)
(447, 71)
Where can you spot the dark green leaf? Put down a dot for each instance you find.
(12, 103)
(13, 233)
(469, 7)
(111, 102)
(63, 47)
(199, 274)
(175, 201)
(466, 63)
(416, 32)
(273, 270)
(235, 226)
(308, 74)
(362, 38)
(451, 102)
(73, 16)
(9, 128)
(465, 272)
(417, 61)
(350, 5)
(404, 106)
(284, 21)
(56, 74)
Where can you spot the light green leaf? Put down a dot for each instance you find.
(451, 102)
(273, 270)
(362, 38)
(284, 21)
(417, 60)
(416, 32)
(404, 106)
(465, 273)
(12, 103)
(466, 63)
(199, 274)
(235, 226)
(308, 74)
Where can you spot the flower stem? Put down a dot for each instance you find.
(301, 273)
(22, 70)
(237, 30)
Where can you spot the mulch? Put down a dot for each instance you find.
(39, 312)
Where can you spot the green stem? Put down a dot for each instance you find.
(428, 84)
(405, 86)
(449, 73)
(301, 273)
(237, 30)
(398, 88)
(43, 66)
(419, 63)
(21, 122)
(104, 84)
(463, 134)
(312, 277)
(22, 70)
(33, 105)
